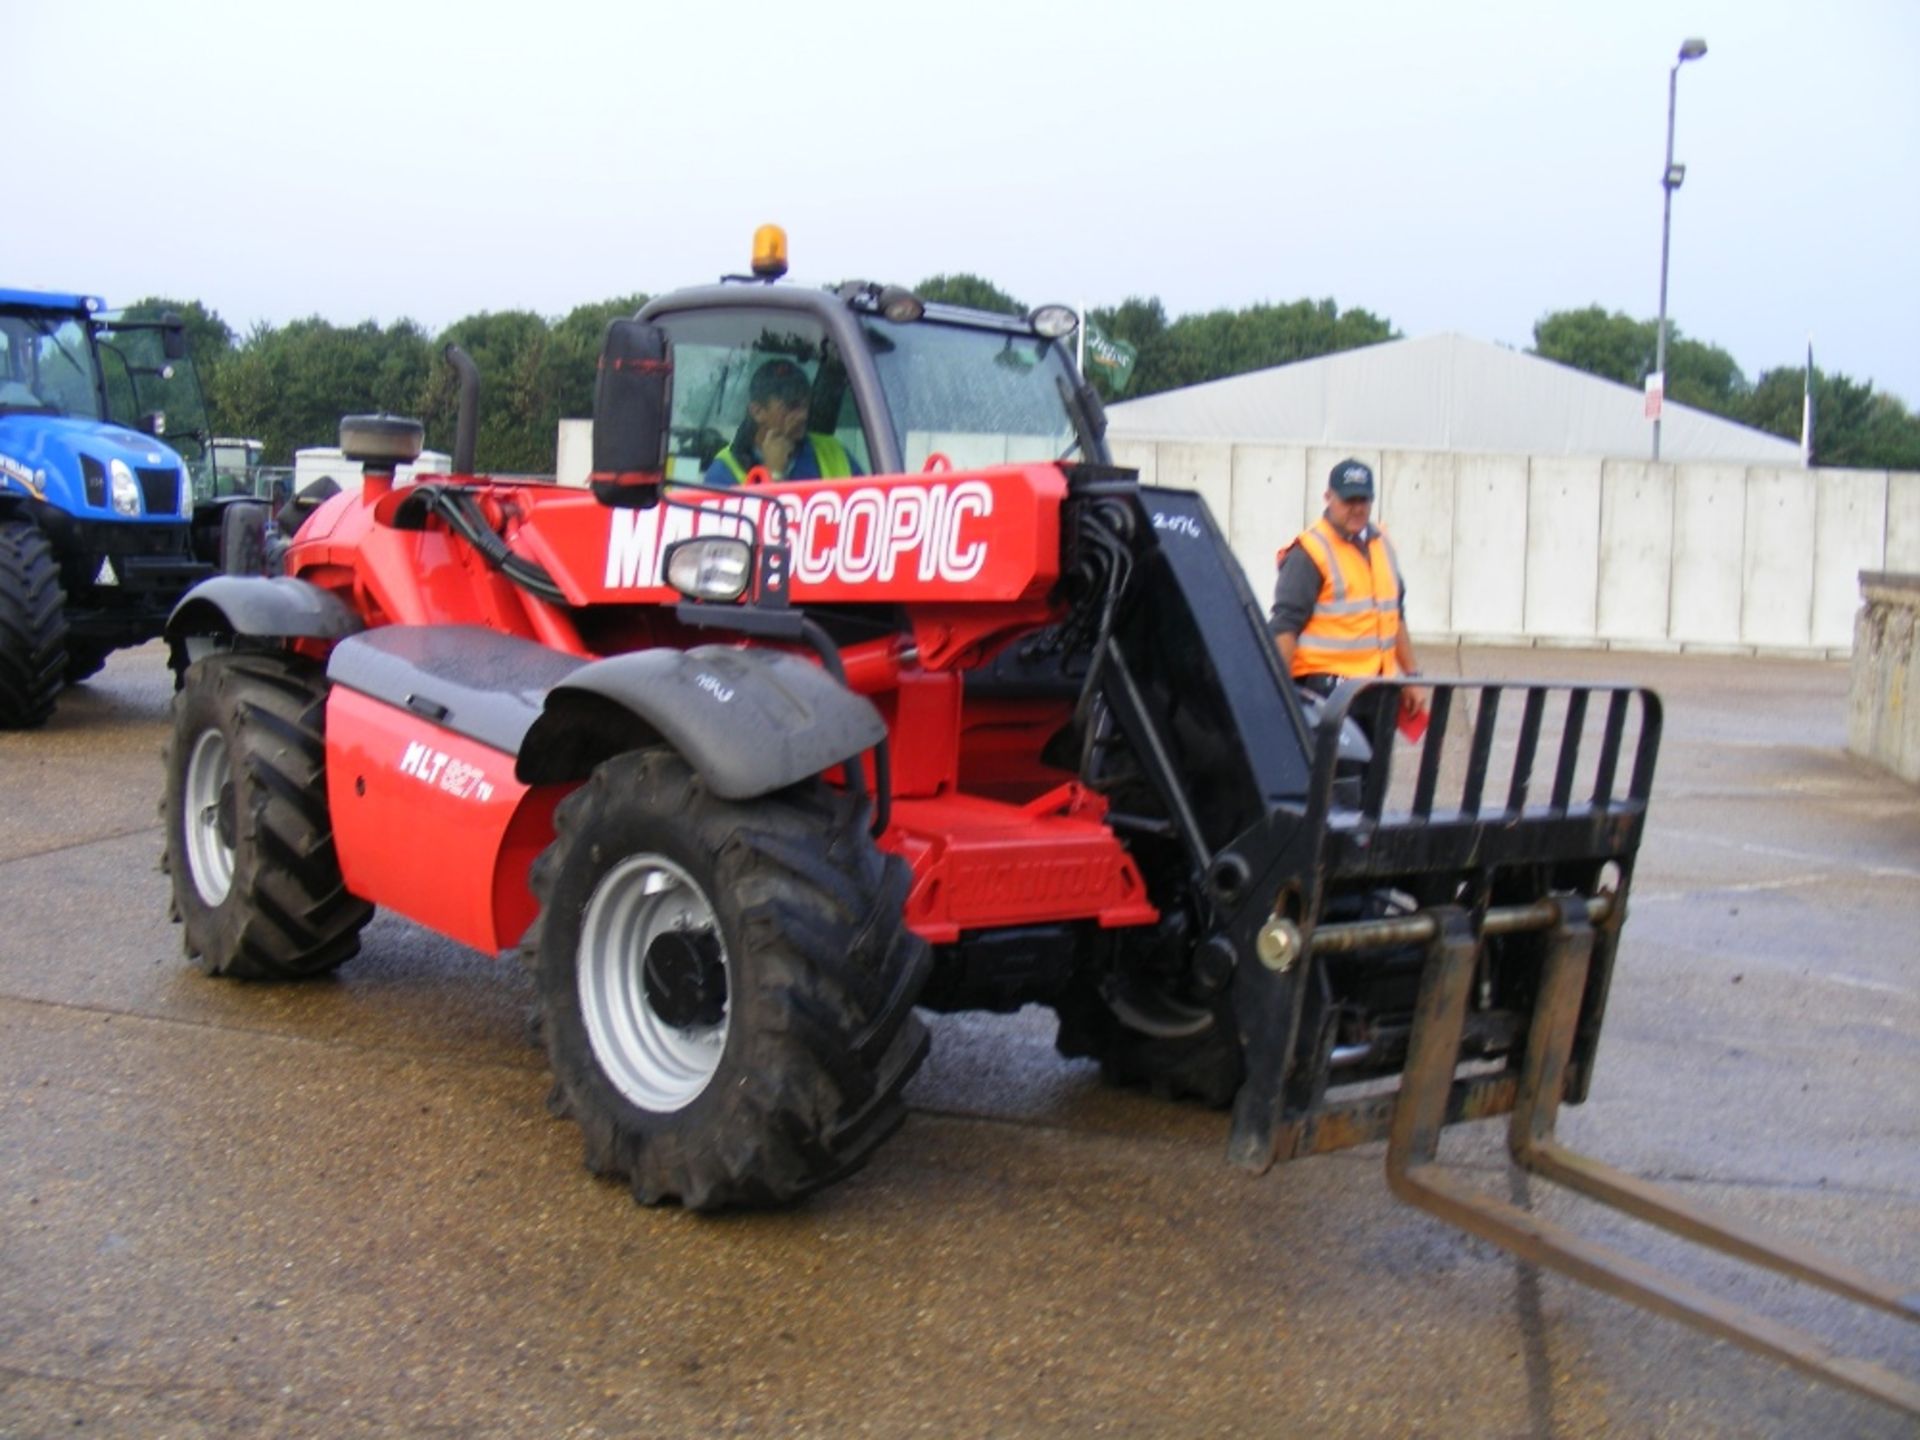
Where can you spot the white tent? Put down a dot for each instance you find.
(1440, 392)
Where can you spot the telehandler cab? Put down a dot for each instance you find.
(747, 773)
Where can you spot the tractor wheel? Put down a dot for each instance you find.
(1178, 1051)
(726, 989)
(256, 886)
(33, 628)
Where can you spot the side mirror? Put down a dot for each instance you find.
(173, 337)
(632, 401)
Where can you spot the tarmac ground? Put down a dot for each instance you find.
(341, 1208)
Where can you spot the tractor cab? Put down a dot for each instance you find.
(893, 383)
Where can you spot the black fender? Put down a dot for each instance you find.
(750, 721)
(254, 605)
(230, 607)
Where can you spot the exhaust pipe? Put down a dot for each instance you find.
(469, 422)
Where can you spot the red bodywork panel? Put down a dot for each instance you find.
(433, 824)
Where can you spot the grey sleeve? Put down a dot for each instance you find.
(1294, 592)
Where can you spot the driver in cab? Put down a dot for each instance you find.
(774, 436)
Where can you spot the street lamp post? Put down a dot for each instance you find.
(1669, 182)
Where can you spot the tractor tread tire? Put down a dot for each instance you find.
(1207, 1067)
(287, 914)
(822, 979)
(33, 627)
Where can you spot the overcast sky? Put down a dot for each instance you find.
(1463, 166)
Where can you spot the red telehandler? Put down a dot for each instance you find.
(748, 772)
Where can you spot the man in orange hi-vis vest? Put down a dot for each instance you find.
(1337, 603)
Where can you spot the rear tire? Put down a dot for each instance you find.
(249, 844)
(726, 988)
(33, 627)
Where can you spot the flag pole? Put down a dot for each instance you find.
(1806, 412)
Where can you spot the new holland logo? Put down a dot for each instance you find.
(855, 537)
(34, 482)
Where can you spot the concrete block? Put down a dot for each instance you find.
(1562, 547)
(1850, 522)
(1883, 690)
(1903, 523)
(1709, 546)
(1489, 545)
(1416, 509)
(1777, 568)
(1635, 569)
(1269, 508)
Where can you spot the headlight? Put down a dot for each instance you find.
(186, 492)
(124, 492)
(1054, 322)
(710, 568)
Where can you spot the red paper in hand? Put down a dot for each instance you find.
(1413, 725)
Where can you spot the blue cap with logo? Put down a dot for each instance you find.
(1351, 480)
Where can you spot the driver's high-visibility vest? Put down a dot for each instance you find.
(829, 458)
(1356, 618)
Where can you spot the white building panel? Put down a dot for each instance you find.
(1903, 526)
(1490, 545)
(1141, 455)
(1269, 508)
(1850, 535)
(1563, 548)
(1778, 565)
(1635, 569)
(1416, 508)
(1709, 550)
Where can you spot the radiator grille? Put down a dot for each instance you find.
(160, 490)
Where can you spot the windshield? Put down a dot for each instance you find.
(978, 397)
(142, 381)
(46, 365)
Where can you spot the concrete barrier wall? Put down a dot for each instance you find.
(1559, 550)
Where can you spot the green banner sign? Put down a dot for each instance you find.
(1112, 359)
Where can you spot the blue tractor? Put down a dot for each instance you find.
(98, 531)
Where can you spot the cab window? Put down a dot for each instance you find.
(715, 357)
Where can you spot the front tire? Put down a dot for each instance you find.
(726, 988)
(249, 845)
(33, 627)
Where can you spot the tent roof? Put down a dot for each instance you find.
(1440, 392)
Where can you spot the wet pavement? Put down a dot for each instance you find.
(341, 1209)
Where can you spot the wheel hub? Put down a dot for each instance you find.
(211, 817)
(685, 983)
(652, 974)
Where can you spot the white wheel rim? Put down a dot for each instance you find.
(658, 1063)
(209, 803)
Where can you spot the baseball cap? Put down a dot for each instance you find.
(1351, 480)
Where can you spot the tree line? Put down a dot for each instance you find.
(288, 385)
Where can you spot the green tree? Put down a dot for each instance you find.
(573, 353)
(1617, 347)
(969, 290)
(289, 386)
(518, 405)
(1852, 426)
(1198, 348)
(209, 338)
